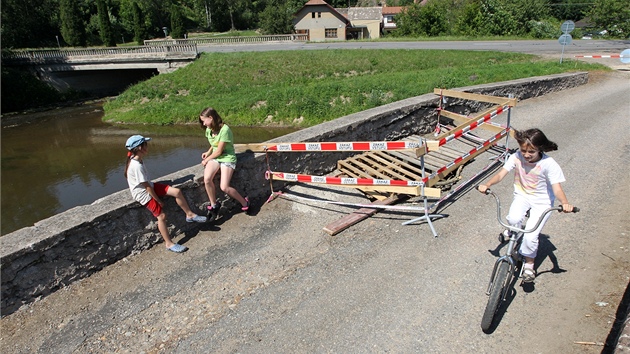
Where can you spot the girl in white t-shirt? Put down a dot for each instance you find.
(149, 194)
(537, 179)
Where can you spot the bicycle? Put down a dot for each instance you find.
(507, 265)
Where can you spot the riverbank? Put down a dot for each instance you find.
(306, 88)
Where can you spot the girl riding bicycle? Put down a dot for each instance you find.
(537, 179)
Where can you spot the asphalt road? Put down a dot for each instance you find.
(553, 47)
(274, 282)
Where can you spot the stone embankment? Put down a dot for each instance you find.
(57, 251)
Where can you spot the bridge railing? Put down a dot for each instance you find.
(231, 40)
(44, 55)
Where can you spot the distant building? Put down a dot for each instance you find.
(388, 14)
(321, 22)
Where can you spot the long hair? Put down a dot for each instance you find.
(131, 153)
(217, 122)
(536, 138)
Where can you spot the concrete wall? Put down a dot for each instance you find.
(53, 253)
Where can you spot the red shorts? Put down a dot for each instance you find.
(153, 206)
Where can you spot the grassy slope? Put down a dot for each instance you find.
(305, 88)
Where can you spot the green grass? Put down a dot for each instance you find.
(305, 88)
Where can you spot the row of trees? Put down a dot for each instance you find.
(535, 18)
(48, 23)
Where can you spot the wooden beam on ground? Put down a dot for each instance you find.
(416, 191)
(476, 97)
(351, 219)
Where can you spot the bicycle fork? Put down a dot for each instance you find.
(511, 261)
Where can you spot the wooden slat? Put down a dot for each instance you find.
(337, 226)
(452, 168)
(462, 119)
(449, 152)
(386, 160)
(427, 163)
(476, 97)
(365, 172)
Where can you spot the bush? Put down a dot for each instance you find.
(544, 29)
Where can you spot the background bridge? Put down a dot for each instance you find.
(101, 71)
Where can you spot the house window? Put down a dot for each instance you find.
(319, 14)
(312, 14)
(331, 33)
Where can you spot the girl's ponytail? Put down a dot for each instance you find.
(130, 154)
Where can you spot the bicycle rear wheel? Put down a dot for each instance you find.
(495, 296)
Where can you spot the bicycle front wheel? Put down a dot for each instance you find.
(494, 299)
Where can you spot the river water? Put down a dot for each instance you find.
(68, 157)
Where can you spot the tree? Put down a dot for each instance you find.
(29, 24)
(72, 24)
(612, 16)
(106, 32)
(569, 9)
(497, 19)
(423, 20)
(469, 21)
(407, 22)
(178, 29)
(277, 18)
(138, 28)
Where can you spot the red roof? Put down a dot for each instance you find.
(392, 10)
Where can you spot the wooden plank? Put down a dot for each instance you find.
(476, 97)
(460, 119)
(430, 192)
(466, 123)
(346, 165)
(337, 226)
(428, 163)
(366, 165)
(408, 190)
(394, 167)
(452, 168)
(414, 166)
(448, 152)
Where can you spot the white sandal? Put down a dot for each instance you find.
(529, 275)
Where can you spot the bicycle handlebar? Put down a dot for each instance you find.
(542, 216)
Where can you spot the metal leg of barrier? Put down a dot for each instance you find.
(428, 217)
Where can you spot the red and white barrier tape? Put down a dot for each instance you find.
(295, 177)
(471, 152)
(347, 146)
(473, 125)
(602, 56)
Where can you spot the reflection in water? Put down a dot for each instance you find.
(71, 158)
